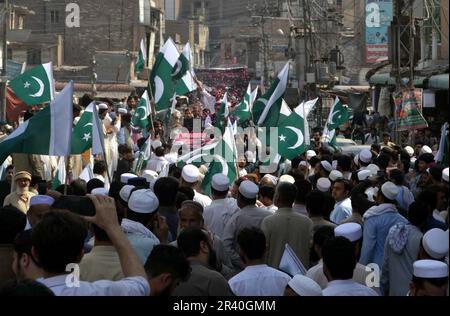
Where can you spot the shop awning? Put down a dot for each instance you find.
(438, 82)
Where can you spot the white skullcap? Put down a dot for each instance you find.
(272, 178)
(143, 202)
(371, 193)
(310, 154)
(426, 150)
(102, 106)
(326, 165)
(409, 150)
(41, 200)
(287, 178)
(303, 163)
(190, 173)
(373, 169)
(430, 269)
(351, 231)
(220, 182)
(390, 190)
(248, 189)
(127, 176)
(334, 164)
(445, 174)
(323, 184)
(122, 111)
(363, 175)
(356, 160)
(435, 243)
(335, 174)
(365, 156)
(149, 175)
(100, 191)
(125, 192)
(156, 143)
(305, 286)
(250, 156)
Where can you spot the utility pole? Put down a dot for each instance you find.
(94, 76)
(6, 14)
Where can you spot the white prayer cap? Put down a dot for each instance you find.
(250, 156)
(326, 165)
(371, 192)
(102, 106)
(143, 201)
(287, 178)
(310, 154)
(305, 286)
(100, 191)
(335, 174)
(363, 174)
(356, 160)
(156, 143)
(248, 189)
(323, 184)
(149, 175)
(220, 182)
(125, 192)
(445, 174)
(390, 190)
(272, 178)
(334, 164)
(373, 169)
(426, 150)
(430, 269)
(122, 111)
(127, 176)
(365, 156)
(41, 200)
(190, 173)
(351, 231)
(303, 163)
(409, 150)
(435, 243)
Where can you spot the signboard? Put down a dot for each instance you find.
(378, 20)
(408, 104)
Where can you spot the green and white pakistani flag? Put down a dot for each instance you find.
(304, 109)
(339, 115)
(61, 174)
(224, 160)
(161, 81)
(143, 110)
(223, 114)
(84, 136)
(142, 57)
(443, 154)
(198, 156)
(244, 110)
(266, 110)
(49, 132)
(285, 112)
(291, 136)
(35, 86)
(183, 72)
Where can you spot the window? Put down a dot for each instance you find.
(54, 17)
(34, 56)
(20, 24)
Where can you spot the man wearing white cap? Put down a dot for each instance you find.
(401, 250)
(142, 213)
(222, 208)
(300, 285)
(365, 158)
(22, 196)
(430, 278)
(343, 207)
(248, 215)
(189, 178)
(39, 205)
(434, 245)
(127, 176)
(323, 185)
(377, 222)
(286, 226)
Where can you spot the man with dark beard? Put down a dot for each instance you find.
(196, 245)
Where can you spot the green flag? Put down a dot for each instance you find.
(285, 112)
(61, 175)
(224, 160)
(291, 139)
(35, 86)
(143, 110)
(184, 72)
(142, 57)
(223, 114)
(86, 134)
(244, 110)
(161, 81)
(266, 110)
(442, 155)
(338, 116)
(49, 132)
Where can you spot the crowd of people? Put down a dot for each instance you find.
(371, 224)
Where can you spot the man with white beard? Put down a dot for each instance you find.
(21, 197)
